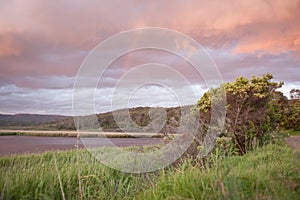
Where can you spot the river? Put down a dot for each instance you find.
(36, 144)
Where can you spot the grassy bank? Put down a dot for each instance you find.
(271, 172)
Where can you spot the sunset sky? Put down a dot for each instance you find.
(43, 44)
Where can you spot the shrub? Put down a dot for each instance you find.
(252, 111)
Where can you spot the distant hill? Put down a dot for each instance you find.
(140, 115)
(28, 119)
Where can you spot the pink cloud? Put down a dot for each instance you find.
(83, 25)
(40, 38)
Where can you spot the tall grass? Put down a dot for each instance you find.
(271, 172)
(36, 177)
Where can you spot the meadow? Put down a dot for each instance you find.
(269, 172)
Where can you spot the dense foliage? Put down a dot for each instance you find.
(291, 115)
(252, 110)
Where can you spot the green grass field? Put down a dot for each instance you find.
(271, 172)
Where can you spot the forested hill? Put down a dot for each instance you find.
(139, 115)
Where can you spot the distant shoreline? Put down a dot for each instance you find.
(63, 133)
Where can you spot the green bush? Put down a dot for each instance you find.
(252, 110)
(291, 115)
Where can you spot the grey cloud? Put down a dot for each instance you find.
(40, 101)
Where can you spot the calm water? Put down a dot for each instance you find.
(34, 144)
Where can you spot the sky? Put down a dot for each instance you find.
(44, 43)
